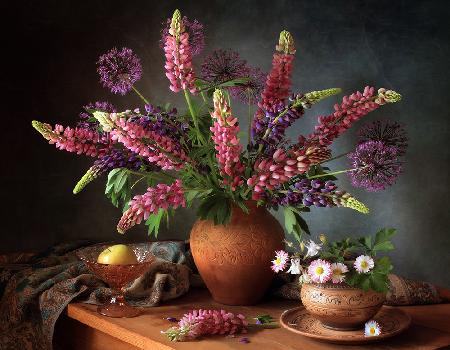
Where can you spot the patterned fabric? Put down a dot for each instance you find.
(35, 292)
(401, 291)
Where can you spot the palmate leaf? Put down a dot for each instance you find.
(294, 223)
(215, 207)
(154, 221)
(118, 187)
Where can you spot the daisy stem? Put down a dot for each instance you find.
(193, 115)
(140, 95)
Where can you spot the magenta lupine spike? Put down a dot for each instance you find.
(228, 149)
(207, 322)
(352, 108)
(76, 140)
(272, 172)
(158, 149)
(142, 206)
(278, 82)
(177, 50)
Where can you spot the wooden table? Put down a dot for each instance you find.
(83, 328)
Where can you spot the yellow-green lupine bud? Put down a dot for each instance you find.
(220, 103)
(345, 199)
(176, 26)
(286, 43)
(43, 128)
(313, 97)
(387, 96)
(90, 176)
(104, 120)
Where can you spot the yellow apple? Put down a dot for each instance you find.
(118, 254)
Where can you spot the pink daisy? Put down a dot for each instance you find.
(281, 259)
(320, 271)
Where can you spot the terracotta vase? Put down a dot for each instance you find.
(339, 306)
(234, 260)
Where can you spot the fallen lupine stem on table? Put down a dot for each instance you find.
(207, 322)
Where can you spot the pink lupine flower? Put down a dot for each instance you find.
(178, 65)
(352, 108)
(272, 172)
(158, 149)
(207, 322)
(228, 149)
(160, 197)
(278, 81)
(76, 140)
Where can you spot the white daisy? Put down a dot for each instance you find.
(313, 249)
(338, 271)
(295, 268)
(363, 264)
(372, 329)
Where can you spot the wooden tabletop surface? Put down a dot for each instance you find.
(430, 328)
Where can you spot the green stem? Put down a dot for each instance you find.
(193, 115)
(137, 181)
(140, 95)
(334, 158)
(250, 120)
(333, 173)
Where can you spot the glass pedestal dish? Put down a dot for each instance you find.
(117, 276)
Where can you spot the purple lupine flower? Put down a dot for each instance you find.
(377, 166)
(119, 70)
(320, 193)
(309, 193)
(103, 106)
(224, 65)
(117, 158)
(165, 123)
(389, 132)
(196, 35)
(250, 92)
(270, 130)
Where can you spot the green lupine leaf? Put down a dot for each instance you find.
(154, 221)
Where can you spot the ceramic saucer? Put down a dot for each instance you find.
(298, 320)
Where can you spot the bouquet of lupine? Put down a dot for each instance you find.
(196, 154)
(350, 261)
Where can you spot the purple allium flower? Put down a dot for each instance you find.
(224, 65)
(377, 166)
(196, 35)
(119, 70)
(389, 132)
(103, 106)
(250, 92)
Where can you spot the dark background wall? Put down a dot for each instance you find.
(51, 48)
